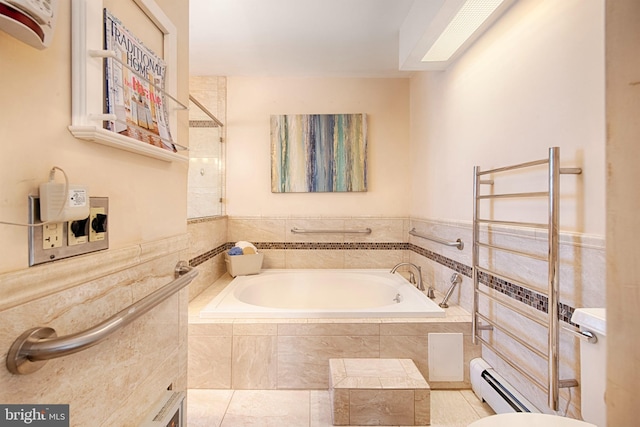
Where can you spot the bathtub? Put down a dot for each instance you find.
(321, 294)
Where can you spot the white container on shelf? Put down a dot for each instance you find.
(243, 265)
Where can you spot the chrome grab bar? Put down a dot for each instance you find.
(30, 351)
(587, 336)
(458, 243)
(330, 231)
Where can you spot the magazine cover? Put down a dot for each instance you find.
(139, 106)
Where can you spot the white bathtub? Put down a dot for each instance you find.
(321, 294)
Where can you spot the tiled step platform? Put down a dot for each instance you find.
(378, 392)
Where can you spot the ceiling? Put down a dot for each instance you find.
(297, 38)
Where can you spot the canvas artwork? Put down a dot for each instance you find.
(318, 153)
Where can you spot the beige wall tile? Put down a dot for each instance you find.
(209, 361)
(254, 362)
(372, 258)
(256, 229)
(315, 258)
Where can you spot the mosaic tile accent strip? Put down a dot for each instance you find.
(202, 124)
(526, 296)
(196, 261)
(456, 266)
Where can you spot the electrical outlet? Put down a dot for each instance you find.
(52, 242)
(52, 235)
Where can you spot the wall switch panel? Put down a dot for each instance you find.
(66, 239)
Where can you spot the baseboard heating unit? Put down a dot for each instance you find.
(490, 387)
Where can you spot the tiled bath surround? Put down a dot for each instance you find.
(582, 272)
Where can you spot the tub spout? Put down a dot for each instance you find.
(419, 283)
(455, 279)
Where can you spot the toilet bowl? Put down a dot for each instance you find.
(592, 382)
(528, 419)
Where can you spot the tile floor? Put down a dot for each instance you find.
(309, 408)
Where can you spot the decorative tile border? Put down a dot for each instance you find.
(526, 296)
(202, 124)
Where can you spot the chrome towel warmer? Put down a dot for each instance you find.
(552, 322)
(31, 350)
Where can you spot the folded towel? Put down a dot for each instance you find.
(235, 251)
(242, 244)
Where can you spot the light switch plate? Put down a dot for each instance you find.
(65, 247)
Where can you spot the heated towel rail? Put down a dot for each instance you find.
(552, 318)
(31, 350)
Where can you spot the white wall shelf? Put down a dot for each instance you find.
(87, 103)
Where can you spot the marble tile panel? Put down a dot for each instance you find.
(303, 258)
(276, 409)
(303, 362)
(274, 258)
(210, 362)
(376, 407)
(254, 362)
(339, 406)
(256, 229)
(374, 368)
(407, 347)
(422, 401)
(206, 408)
(372, 258)
(382, 229)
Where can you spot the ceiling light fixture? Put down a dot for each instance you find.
(464, 24)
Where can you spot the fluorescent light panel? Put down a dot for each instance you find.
(468, 19)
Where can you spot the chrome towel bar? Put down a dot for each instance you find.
(329, 231)
(30, 351)
(458, 243)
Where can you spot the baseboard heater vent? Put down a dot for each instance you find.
(490, 387)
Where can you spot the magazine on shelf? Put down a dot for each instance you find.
(135, 87)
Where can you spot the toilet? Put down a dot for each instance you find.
(592, 382)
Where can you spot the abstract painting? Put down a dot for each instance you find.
(318, 153)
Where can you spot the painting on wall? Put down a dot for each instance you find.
(318, 153)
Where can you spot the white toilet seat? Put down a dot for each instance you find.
(522, 419)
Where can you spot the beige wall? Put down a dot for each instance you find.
(251, 101)
(623, 202)
(535, 80)
(117, 381)
(147, 197)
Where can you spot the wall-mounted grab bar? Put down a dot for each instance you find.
(587, 336)
(329, 231)
(30, 351)
(458, 243)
